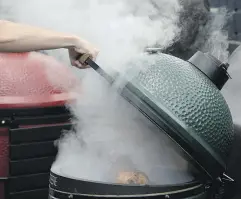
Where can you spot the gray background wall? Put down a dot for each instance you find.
(234, 26)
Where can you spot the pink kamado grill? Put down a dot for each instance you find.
(33, 93)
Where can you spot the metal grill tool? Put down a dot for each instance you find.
(85, 59)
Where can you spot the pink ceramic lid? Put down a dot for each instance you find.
(34, 80)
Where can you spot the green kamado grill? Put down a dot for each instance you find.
(182, 99)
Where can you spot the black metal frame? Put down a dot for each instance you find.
(32, 132)
(33, 116)
(34, 111)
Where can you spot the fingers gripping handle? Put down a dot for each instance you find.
(85, 59)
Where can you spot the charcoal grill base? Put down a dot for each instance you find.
(61, 187)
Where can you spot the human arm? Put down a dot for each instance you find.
(16, 37)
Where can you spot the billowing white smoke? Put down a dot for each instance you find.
(231, 90)
(213, 37)
(110, 135)
(120, 29)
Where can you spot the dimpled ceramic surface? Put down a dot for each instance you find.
(33, 78)
(191, 97)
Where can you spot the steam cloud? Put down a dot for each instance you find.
(231, 90)
(120, 29)
(110, 135)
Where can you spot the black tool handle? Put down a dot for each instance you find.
(86, 59)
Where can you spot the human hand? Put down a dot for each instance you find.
(82, 47)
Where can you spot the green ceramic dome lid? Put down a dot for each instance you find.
(183, 101)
